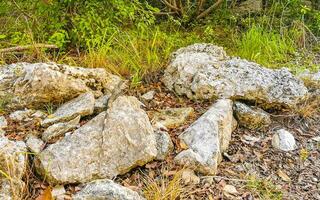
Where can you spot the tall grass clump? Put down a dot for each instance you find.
(265, 47)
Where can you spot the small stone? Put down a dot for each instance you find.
(57, 130)
(148, 96)
(101, 104)
(189, 177)
(83, 105)
(317, 139)
(39, 114)
(283, 140)
(164, 144)
(250, 117)
(106, 189)
(230, 189)
(22, 115)
(34, 144)
(58, 191)
(171, 117)
(3, 122)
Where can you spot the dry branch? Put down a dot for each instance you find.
(27, 47)
(206, 12)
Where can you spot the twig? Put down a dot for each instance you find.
(206, 12)
(228, 179)
(170, 6)
(26, 47)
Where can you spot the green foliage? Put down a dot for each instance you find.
(264, 189)
(265, 47)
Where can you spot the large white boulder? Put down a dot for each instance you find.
(203, 71)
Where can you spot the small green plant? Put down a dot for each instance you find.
(264, 189)
(49, 107)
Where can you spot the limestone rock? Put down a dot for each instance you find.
(189, 177)
(250, 117)
(13, 161)
(57, 130)
(283, 140)
(311, 80)
(110, 144)
(171, 117)
(101, 104)
(34, 85)
(106, 189)
(3, 122)
(203, 71)
(83, 105)
(164, 142)
(148, 96)
(34, 144)
(207, 138)
(22, 115)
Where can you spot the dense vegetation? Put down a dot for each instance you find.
(135, 37)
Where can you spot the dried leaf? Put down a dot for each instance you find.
(46, 195)
(283, 176)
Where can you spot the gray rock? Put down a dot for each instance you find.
(34, 144)
(171, 117)
(101, 104)
(106, 190)
(35, 85)
(203, 71)
(83, 105)
(110, 144)
(22, 115)
(283, 140)
(148, 96)
(7, 186)
(311, 80)
(164, 143)
(13, 162)
(249, 6)
(189, 177)
(251, 117)
(207, 138)
(3, 122)
(57, 130)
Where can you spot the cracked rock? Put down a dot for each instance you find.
(207, 138)
(110, 144)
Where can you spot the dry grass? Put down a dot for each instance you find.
(165, 188)
(310, 107)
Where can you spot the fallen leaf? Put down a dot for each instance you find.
(283, 176)
(46, 195)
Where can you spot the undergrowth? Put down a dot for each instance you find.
(264, 189)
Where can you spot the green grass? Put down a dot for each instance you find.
(265, 47)
(264, 189)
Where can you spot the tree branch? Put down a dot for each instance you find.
(206, 12)
(26, 47)
(170, 6)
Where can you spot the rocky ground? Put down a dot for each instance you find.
(208, 127)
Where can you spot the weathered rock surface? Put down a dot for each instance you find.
(203, 71)
(106, 189)
(57, 130)
(83, 105)
(34, 144)
(34, 85)
(22, 115)
(112, 143)
(251, 117)
(101, 104)
(3, 122)
(207, 138)
(171, 117)
(249, 6)
(148, 96)
(283, 140)
(311, 80)
(13, 161)
(164, 142)
(189, 177)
